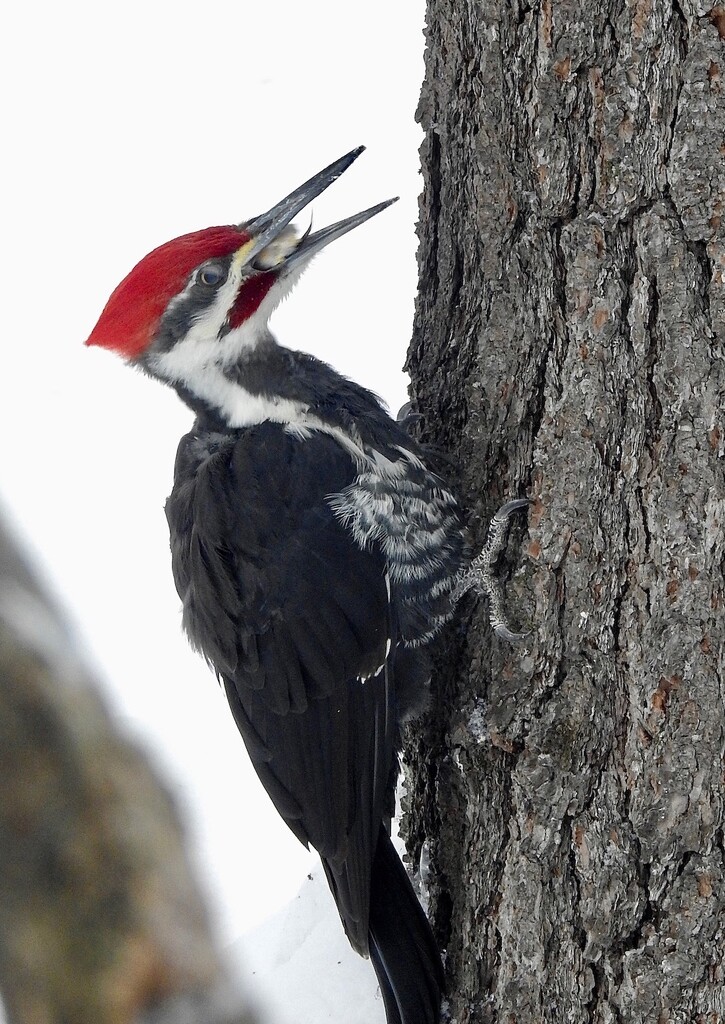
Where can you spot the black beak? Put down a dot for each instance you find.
(265, 228)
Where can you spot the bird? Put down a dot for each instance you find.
(315, 553)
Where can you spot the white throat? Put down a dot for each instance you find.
(200, 361)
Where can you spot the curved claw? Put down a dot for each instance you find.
(407, 418)
(508, 509)
(479, 575)
(503, 632)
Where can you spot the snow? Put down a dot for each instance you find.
(299, 967)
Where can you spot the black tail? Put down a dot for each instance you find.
(402, 948)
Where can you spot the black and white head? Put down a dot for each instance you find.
(201, 302)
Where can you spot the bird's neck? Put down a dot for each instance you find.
(256, 387)
(270, 383)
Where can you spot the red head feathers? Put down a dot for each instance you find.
(129, 319)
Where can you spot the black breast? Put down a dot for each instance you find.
(274, 588)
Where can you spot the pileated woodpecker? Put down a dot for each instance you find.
(315, 555)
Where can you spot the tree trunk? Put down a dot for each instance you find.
(101, 921)
(568, 346)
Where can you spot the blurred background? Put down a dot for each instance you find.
(124, 127)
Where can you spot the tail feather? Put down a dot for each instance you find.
(402, 948)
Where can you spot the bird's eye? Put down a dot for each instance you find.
(211, 276)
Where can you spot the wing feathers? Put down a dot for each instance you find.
(295, 616)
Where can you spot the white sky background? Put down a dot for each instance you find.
(124, 127)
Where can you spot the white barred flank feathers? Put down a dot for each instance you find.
(399, 506)
(411, 572)
(422, 639)
(444, 586)
(407, 526)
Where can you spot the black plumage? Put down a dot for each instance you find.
(315, 555)
(316, 635)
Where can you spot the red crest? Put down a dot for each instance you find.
(130, 317)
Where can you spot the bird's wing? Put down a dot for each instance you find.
(295, 617)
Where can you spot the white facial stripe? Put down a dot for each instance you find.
(238, 407)
(209, 323)
(196, 361)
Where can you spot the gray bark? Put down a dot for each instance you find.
(568, 346)
(101, 921)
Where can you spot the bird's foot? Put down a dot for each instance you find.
(480, 576)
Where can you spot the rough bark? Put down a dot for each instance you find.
(568, 346)
(100, 919)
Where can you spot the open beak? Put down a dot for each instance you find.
(270, 225)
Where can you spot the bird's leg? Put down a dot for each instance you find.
(479, 574)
